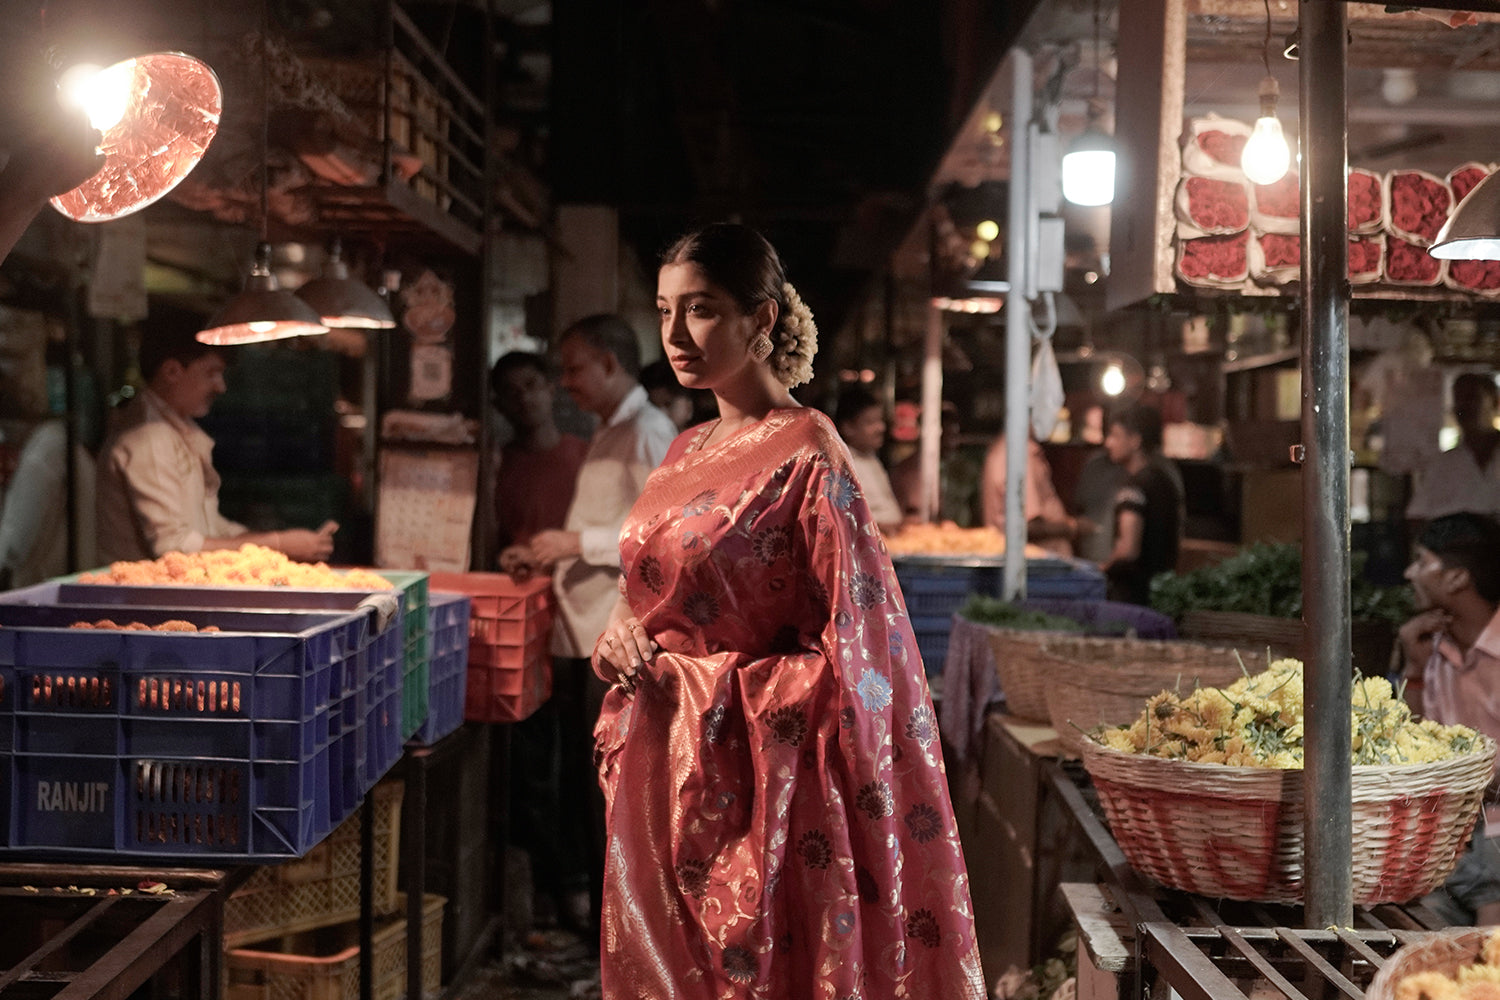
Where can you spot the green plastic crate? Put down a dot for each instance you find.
(418, 665)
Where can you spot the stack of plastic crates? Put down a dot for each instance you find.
(510, 626)
(448, 637)
(323, 964)
(292, 931)
(186, 745)
(321, 888)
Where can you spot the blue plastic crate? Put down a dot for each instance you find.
(448, 635)
(383, 729)
(255, 700)
(190, 810)
(931, 586)
(932, 640)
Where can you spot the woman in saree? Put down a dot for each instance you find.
(778, 814)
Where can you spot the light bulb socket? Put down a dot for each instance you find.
(1270, 94)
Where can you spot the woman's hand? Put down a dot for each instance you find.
(622, 651)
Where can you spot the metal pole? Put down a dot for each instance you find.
(1017, 327)
(929, 443)
(1327, 827)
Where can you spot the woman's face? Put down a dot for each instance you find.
(704, 334)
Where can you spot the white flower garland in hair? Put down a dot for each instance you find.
(796, 341)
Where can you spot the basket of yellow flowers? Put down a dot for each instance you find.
(1461, 963)
(1092, 681)
(1204, 793)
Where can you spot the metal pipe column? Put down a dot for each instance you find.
(1017, 326)
(1322, 123)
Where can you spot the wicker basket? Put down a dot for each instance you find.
(1095, 681)
(1022, 669)
(1442, 951)
(1236, 832)
(1370, 642)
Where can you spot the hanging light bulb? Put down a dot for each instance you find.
(343, 302)
(262, 312)
(158, 113)
(1088, 169)
(1266, 157)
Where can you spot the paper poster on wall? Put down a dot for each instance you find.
(425, 510)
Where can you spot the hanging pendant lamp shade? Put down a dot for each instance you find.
(1472, 232)
(158, 113)
(342, 301)
(262, 311)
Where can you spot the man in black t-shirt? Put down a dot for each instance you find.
(1148, 519)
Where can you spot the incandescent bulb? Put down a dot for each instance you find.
(1112, 380)
(987, 230)
(1266, 157)
(102, 94)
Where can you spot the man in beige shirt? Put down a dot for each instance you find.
(860, 420)
(158, 491)
(600, 361)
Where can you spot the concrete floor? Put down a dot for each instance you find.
(547, 965)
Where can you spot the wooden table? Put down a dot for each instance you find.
(1138, 939)
(88, 932)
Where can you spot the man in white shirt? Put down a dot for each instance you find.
(1466, 478)
(600, 362)
(34, 519)
(860, 420)
(158, 490)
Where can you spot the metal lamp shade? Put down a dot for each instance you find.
(172, 116)
(1472, 232)
(261, 312)
(343, 302)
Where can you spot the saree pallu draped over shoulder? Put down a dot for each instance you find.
(779, 817)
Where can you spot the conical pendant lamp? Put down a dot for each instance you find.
(263, 311)
(343, 302)
(157, 114)
(1472, 232)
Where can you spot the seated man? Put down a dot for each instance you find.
(1452, 650)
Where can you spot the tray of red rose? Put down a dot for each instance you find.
(181, 735)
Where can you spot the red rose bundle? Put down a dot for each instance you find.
(1214, 207)
(1417, 205)
(1365, 253)
(1212, 148)
(1482, 276)
(1214, 261)
(1366, 203)
(1406, 263)
(1276, 206)
(1222, 146)
(1465, 178)
(1275, 258)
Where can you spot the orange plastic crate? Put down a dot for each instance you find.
(510, 626)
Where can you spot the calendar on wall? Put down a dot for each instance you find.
(425, 510)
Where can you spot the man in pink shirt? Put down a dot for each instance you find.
(1452, 649)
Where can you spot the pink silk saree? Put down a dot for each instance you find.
(779, 820)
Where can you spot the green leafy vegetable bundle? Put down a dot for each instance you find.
(1266, 579)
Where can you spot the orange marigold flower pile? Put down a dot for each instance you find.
(247, 566)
